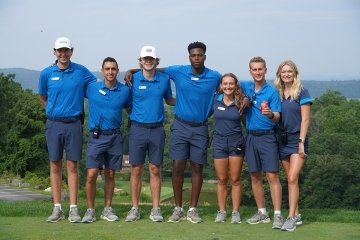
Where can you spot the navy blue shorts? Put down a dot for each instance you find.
(224, 147)
(188, 142)
(105, 151)
(292, 146)
(62, 136)
(261, 153)
(142, 141)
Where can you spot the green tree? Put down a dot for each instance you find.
(23, 139)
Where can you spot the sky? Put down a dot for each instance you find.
(321, 36)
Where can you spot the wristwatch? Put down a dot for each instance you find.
(301, 141)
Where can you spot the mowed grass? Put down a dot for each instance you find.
(27, 220)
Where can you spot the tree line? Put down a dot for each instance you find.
(330, 178)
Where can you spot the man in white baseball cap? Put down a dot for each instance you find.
(61, 88)
(62, 42)
(148, 51)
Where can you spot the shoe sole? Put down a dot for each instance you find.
(54, 221)
(192, 221)
(88, 221)
(235, 222)
(128, 220)
(156, 220)
(221, 221)
(276, 227)
(74, 221)
(298, 223)
(176, 221)
(267, 220)
(108, 219)
(288, 229)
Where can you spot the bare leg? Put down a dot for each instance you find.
(109, 186)
(222, 170)
(55, 178)
(293, 168)
(258, 189)
(235, 167)
(178, 180)
(155, 184)
(136, 183)
(196, 180)
(275, 189)
(91, 177)
(73, 181)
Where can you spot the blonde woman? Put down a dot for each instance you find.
(295, 102)
(228, 145)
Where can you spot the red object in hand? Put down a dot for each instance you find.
(264, 104)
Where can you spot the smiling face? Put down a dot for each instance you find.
(228, 85)
(287, 74)
(148, 63)
(110, 71)
(63, 55)
(258, 71)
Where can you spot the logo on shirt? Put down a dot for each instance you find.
(142, 87)
(102, 92)
(55, 78)
(194, 78)
(221, 108)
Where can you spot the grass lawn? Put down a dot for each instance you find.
(37, 228)
(27, 220)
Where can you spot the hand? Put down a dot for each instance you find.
(266, 111)
(301, 152)
(128, 78)
(244, 104)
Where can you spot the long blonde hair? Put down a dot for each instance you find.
(296, 87)
(238, 93)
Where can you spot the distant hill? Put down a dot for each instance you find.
(348, 88)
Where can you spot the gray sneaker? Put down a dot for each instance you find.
(220, 217)
(259, 218)
(74, 216)
(235, 217)
(109, 214)
(177, 215)
(133, 215)
(193, 216)
(56, 215)
(278, 221)
(298, 219)
(89, 216)
(155, 215)
(289, 225)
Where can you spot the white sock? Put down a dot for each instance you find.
(181, 209)
(192, 208)
(73, 206)
(262, 210)
(58, 205)
(277, 212)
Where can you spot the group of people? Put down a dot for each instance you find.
(200, 93)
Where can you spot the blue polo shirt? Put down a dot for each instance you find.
(254, 119)
(65, 89)
(194, 92)
(291, 111)
(148, 97)
(227, 118)
(106, 105)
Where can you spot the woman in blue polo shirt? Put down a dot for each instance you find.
(228, 145)
(295, 103)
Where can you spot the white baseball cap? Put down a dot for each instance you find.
(148, 51)
(62, 42)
